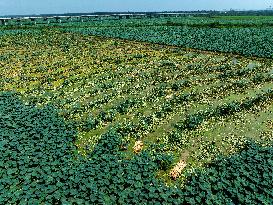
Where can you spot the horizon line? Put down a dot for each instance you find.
(118, 12)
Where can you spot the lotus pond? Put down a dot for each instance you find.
(72, 107)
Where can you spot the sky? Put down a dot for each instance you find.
(24, 7)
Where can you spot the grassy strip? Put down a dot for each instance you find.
(192, 121)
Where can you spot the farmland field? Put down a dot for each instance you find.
(76, 98)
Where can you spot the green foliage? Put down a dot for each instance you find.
(89, 124)
(262, 77)
(176, 138)
(192, 121)
(249, 41)
(17, 32)
(147, 89)
(244, 178)
(38, 164)
(36, 151)
(125, 105)
(106, 116)
(241, 83)
(250, 37)
(180, 84)
(160, 157)
(160, 90)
